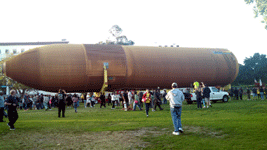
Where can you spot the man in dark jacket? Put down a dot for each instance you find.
(140, 95)
(206, 95)
(12, 109)
(254, 91)
(241, 93)
(103, 100)
(236, 94)
(157, 100)
(61, 102)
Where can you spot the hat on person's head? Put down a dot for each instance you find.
(174, 84)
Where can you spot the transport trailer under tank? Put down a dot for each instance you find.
(79, 67)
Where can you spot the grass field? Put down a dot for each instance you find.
(232, 125)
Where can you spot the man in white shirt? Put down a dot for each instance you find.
(176, 97)
(130, 98)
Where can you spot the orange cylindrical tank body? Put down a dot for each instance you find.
(79, 67)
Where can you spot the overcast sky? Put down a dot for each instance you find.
(189, 23)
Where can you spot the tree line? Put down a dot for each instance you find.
(254, 68)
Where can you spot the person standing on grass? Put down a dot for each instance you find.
(92, 100)
(113, 99)
(157, 100)
(240, 93)
(109, 99)
(140, 95)
(125, 99)
(61, 102)
(199, 98)
(248, 93)
(262, 93)
(12, 109)
(147, 100)
(130, 98)
(2, 105)
(103, 100)
(206, 95)
(88, 100)
(236, 94)
(254, 91)
(258, 92)
(46, 101)
(26, 101)
(136, 102)
(176, 98)
(75, 102)
(164, 97)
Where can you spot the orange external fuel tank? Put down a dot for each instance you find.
(79, 67)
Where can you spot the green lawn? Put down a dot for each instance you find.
(232, 125)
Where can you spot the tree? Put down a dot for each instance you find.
(254, 67)
(260, 8)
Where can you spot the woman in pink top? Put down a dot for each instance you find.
(75, 102)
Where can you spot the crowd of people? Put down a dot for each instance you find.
(127, 100)
(255, 92)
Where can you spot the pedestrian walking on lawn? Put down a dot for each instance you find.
(147, 100)
(12, 109)
(136, 102)
(75, 102)
(157, 101)
(176, 98)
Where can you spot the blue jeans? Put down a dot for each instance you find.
(136, 105)
(45, 105)
(262, 95)
(176, 118)
(147, 108)
(203, 101)
(75, 105)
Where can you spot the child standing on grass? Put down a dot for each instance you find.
(75, 102)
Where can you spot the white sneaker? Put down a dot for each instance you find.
(146, 115)
(207, 106)
(204, 106)
(175, 133)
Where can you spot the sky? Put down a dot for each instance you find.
(226, 24)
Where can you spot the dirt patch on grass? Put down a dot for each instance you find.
(204, 131)
(98, 140)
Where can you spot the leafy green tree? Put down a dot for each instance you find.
(255, 67)
(260, 8)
